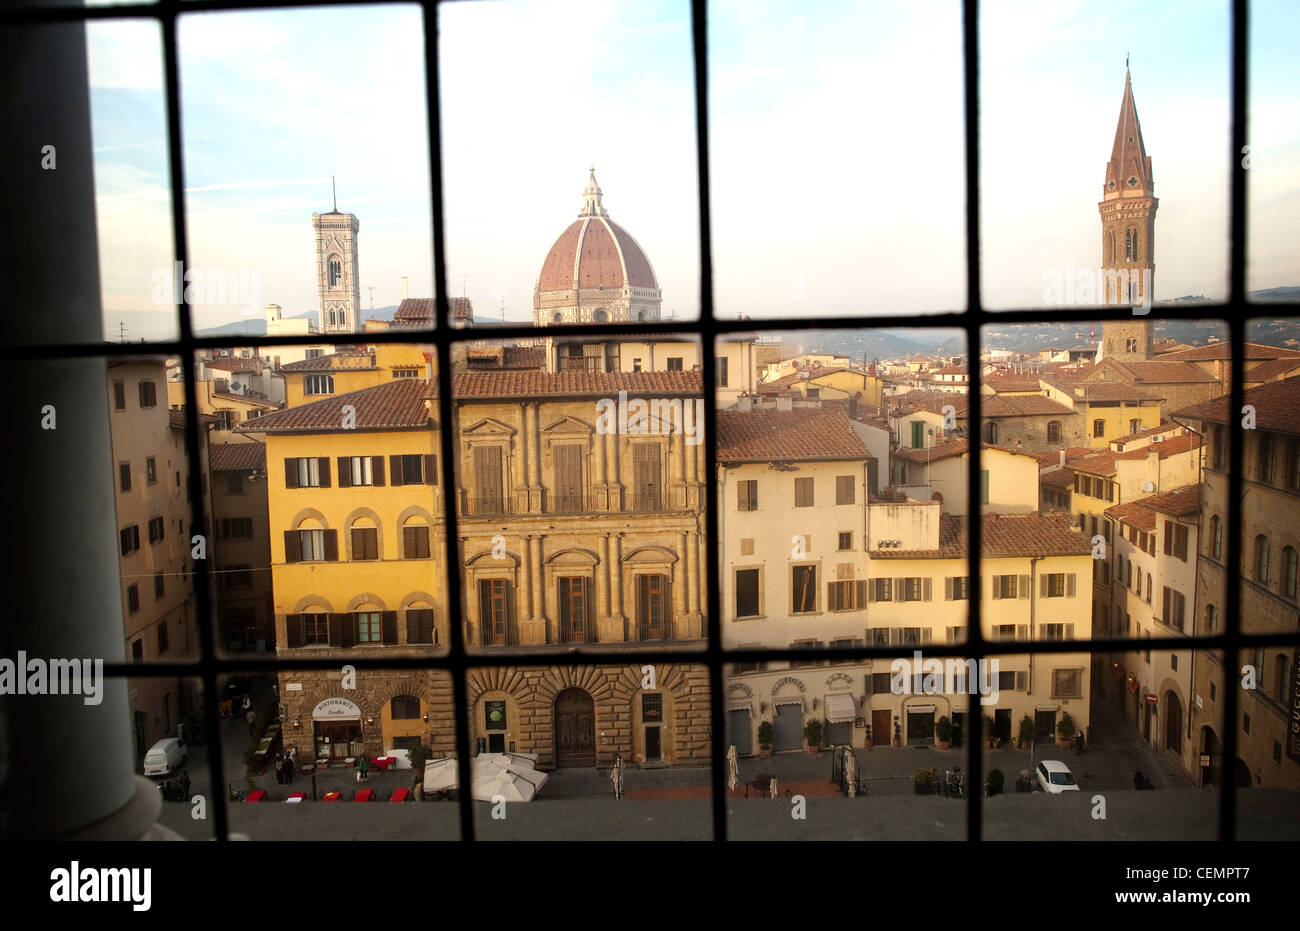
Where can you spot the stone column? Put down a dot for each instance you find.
(616, 575)
(67, 767)
(682, 586)
(526, 579)
(522, 466)
(694, 569)
(535, 460)
(681, 479)
(602, 492)
(614, 476)
(539, 584)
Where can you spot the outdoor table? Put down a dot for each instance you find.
(364, 795)
(322, 763)
(400, 795)
(330, 797)
(383, 762)
(256, 795)
(296, 797)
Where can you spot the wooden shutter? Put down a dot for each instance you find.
(292, 551)
(1069, 584)
(430, 469)
(388, 626)
(337, 633)
(377, 470)
(1169, 538)
(927, 590)
(1025, 588)
(900, 589)
(293, 629)
(1165, 613)
(487, 477)
(871, 590)
(997, 587)
(1069, 631)
(291, 473)
(645, 475)
(947, 588)
(1022, 680)
(926, 635)
(1022, 631)
(331, 545)
(345, 472)
(568, 477)
(1110, 491)
(323, 465)
(1044, 587)
(395, 469)
(860, 593)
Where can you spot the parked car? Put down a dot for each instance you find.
(165, 757)
(1055, 777)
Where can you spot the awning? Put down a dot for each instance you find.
(840, 708)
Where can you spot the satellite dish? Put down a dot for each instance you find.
(1149, 487)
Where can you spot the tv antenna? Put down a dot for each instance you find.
(121, 332)
(372, 296)
(463, 280)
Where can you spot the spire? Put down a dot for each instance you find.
(591, 205)
(1129, 169)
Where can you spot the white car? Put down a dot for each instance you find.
(1055, 777)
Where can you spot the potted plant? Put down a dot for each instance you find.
(989, 734)
(943, 733)
(866, 738)
(1026, 735)
(765, 740)
(812, 732)
(922, 782)
(995, 781)
(1065, 731)
(898, 734)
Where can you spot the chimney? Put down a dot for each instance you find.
(1062, 452)
(853, 406)
(403, 287)
(783, 403)
(743, 404)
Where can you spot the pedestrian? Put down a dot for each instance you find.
(279, 768)
(1083, 743)
(251, 718)
(1078, 743)
(363, 765)
(1138, 780)
(288, 768)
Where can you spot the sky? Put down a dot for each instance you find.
(836, 136)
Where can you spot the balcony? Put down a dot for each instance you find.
(580, 363)
(643, 501)
(655, 629)
(492, 635)
(484, 507)
(577, 630)
(567, 504)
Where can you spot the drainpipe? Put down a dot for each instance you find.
(69, 604)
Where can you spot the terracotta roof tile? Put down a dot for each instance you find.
(1012, 381)
(1057, 478)
(260, 402)
(1100, 390)
(414, 312)
(396, 404)
(345, 360)
(581, 384)
(1149, 431)
(1021, 406)
(763, 436)
(1134, 514)
(1162, 372)
(237, 457)
(234, 365)
(1277, 407)
(1222, 351)
(1274, 369)
(176, 419)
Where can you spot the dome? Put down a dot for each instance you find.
(596, 272)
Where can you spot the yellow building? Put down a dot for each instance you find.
(353, 369)
(1109, 409)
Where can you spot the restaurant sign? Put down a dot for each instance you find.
(335, 709)
(1293, 716)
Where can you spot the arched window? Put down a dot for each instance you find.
(1280, 677)
(1128, 245)
(1216, 537)
(405, 707)
(1135, 245)
(318, 384)
(1148, 588)
(1289, 571)
(335, 272)
(1053, 431)
(1261, 559)
(1211, 619)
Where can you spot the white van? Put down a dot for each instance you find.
(164, 757)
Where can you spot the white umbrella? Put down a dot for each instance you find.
(440, 775)
(511, 785)
(733, 768)
(851, 771)
(772, 788)
(616, 776)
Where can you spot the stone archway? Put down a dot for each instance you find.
(1173, 723)
(575, 728)
(1210, 747)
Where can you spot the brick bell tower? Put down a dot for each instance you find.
(1128, 225)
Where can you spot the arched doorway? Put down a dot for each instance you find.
(1210, 747)
(1173, 723)
(575, 729)
(1241, 774)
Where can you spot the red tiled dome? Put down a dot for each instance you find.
(595, 252)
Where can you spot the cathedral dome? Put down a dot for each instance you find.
(596, 272)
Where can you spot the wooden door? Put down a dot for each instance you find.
(882, 728)
(575, 729)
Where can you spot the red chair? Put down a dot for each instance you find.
(256, 795)
(364, 795)
(330, 797)
(297, 797)
(400, 795)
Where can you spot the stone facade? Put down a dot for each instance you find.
(337, 274)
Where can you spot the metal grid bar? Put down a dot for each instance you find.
(458, 661)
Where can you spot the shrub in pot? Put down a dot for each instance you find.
(989, 733)
(943, 733)
(765, 734)
(866, 738)
(1065, 731)
(1026, 735)
(898, 734)
(922, 782)
(812, 732)
(995, 781)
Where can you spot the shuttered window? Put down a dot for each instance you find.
(489, 494)
(747, 600)
(415, 541)
(747, 495)
(568, 478)
(575, 608)
(646, 485)
(803, 492)
(419, 625)
(803, 589)
(310, 472)
(493, 610)
(844, 489)
(846, 596)
(365, 543)
(653, 619)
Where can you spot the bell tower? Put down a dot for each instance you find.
(1128, 224)
(338, 283)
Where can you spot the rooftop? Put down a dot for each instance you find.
(1277, 407)
(803, 435)
(237, 457)
(393, 405)
(1004, 535)
(335, 361)
(578, 384)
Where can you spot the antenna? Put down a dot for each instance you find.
(372, 296)
(463, 280)
(121, 332)
(335, 189)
